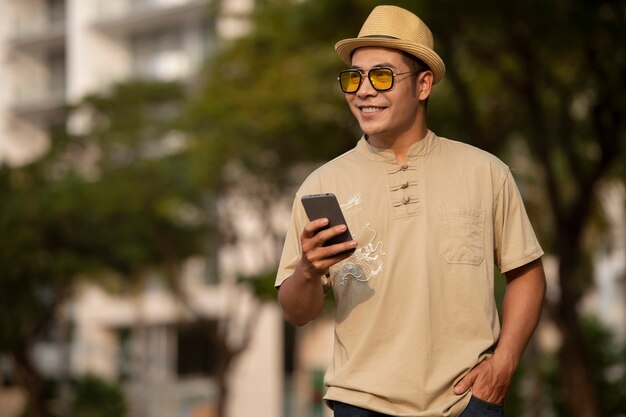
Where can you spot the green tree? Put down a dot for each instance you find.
(545, 74)
(609, 359)
(94, 397)
(115, 200)
(269, 102)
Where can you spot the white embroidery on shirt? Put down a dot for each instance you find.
(354, 201)
(367, 260)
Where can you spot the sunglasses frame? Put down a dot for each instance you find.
(369, 72)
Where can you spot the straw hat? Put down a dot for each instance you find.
(397, 28)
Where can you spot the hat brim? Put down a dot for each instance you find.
(345, 48)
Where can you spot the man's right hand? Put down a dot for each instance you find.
(317, 258)
(301, 296)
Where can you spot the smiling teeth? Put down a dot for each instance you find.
(371, 109)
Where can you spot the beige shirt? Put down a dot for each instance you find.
(415, 305)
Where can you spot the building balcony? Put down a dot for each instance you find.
(39, 105)
(33, 36)
(125, 17)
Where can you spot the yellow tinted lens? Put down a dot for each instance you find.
(381, 79)
(350, 81)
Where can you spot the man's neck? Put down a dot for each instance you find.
(399, 144)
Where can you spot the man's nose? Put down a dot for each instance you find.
(366, 88)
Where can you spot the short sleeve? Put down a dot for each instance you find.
(515, 240)
(291, 248)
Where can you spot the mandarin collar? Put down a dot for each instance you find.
(419, 149)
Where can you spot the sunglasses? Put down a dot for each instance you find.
(381, 78)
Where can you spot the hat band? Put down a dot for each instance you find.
(379, 36)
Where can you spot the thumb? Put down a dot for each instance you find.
(466, 383)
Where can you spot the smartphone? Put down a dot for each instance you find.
(319, 206)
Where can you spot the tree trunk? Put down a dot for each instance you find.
(222, 392)
(29, 378)
(228, 355)
(576, 371)
(576, 366)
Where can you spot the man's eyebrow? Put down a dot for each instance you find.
(381, 65)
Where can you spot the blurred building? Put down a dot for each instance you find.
(57, 51)
(166, 351)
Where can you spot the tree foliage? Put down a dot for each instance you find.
(608, 357)
(114, 201)
(270, 101)
(544, 75)
(94, 397)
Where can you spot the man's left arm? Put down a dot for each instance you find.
(521, 309)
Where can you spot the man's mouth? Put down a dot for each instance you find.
(371, 109)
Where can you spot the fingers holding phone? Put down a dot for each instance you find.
(316, 255)
(326, 239)
(319, 234)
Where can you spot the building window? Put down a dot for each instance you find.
(57, 78)
(56, 12)
(159, 351)
(160, 54)
(146, 352)
(125, 353)
(197, 352)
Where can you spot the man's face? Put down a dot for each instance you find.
(384, 115)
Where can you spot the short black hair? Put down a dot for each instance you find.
(416, 66)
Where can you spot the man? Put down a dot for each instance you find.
(417, 331)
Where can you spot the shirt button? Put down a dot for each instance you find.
(406, 199)
(405, 185)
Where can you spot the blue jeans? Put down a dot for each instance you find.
(475, 408)
(347, 410)
(480, 408)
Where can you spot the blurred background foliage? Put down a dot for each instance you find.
(539, 83)
(94, 397)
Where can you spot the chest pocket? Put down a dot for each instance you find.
(462, 235)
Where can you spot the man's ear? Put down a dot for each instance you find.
(424, 85)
